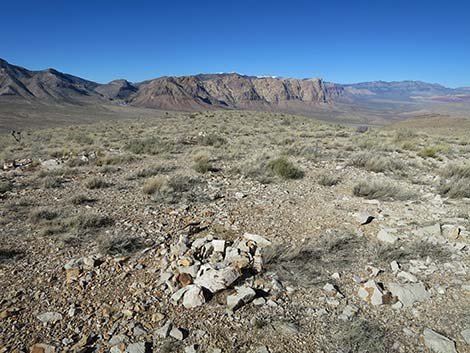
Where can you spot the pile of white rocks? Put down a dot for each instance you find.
(194, 270)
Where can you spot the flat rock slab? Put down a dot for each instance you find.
(437, 342)
(409, 293)
(258, 239)
(217, 280)
(243, 296)
(49, 317)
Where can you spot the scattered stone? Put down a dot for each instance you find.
(409, 293)
(51, 164)
(191, 349)
(139, 347)
(259, 301)
(395, 266)
(466, 335)
(117, 339)
(432, 230)
(184, 279)
(193, 297)
(258, 239)
(41, 348)
(263, 349)
(364, 218)
(177, 333)
(348, 312)
(336, 276)
(372, 293)
(243, 296)
(450, 231)
(49, 317)
(386, 236)
(437, 342)
(139, 330)
(218, 245)
(164, 331)
(407, 276)
(373, 271)
(217, 280)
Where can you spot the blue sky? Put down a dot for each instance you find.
(341, 41)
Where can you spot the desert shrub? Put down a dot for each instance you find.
(122, 245)
(428, 152)
(456, 170)
(150, 171)
(58, 172)
(311, 263)
(76, 162)
(362, 336)
(80, 199)
(202, 163)
(375, 163)
(89, 221)
(284, 168)
(328, 180)
(455, 188)
(9, 254)
(109, 169)
(309, 152)
(116, 159)
(151, 145)
(421, 249)
(96, 183)
(382, 190)
(405, 135)
(211, 140)
(172, 190)
(81, 138)
(5, 186)
(51, 182)
(154, 184)
(39, 215)
(456, 181)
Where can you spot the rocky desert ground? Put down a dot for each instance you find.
(234, 231)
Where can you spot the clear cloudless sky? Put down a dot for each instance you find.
(340, 40)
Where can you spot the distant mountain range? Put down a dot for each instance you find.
(220, 91)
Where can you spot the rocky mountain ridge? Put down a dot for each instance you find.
(211, 91)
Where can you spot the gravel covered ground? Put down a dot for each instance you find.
(361, 239)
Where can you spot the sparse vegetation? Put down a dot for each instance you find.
(211, 140)
(151, 146)
(328, 180)
(150, 171)
(363, 336)
(382, 190)
(284, 168)
(456, 181)
(5, 186)
(375, 163)
(203, 163)
(42, 214)
(89, 221)
(80, 199)
(122, 245)
(51, 182)
(155, 184)
(428, 152)
(96, 183)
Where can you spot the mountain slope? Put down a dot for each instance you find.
(228, 91)
(47, 86)
(376, 102)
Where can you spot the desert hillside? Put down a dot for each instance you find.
(234, 231)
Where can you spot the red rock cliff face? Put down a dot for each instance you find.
(230, 91)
